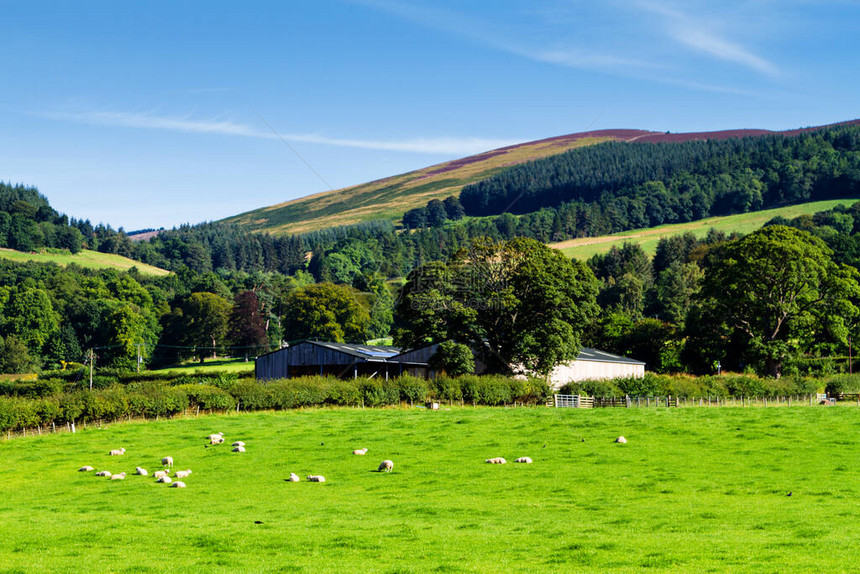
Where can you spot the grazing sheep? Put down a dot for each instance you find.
(216, 439)
(360, 452)
(120, 476)
(178, 484)
(182, 473)
(117, 452)
(104, 473)
(141, 471)
(164, 479)
(621, 440)
(316, 478)
(524, 459)
(160, 473)
(238, 443)
(167, 461)
(496, 460)
(293, 477)
(239, 449)
(385, 465)
(85, 469)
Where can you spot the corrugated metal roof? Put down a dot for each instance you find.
(586, 354)
(368, 352)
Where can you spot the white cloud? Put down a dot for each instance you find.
(695, 34)
(441, 146)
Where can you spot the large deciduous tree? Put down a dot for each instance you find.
(779, 288)
(517, 304)
(326, 312)
(247, 326)
(206, 317)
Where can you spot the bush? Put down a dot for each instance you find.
(251, 395)
(375, 393)
(842, 384)
(445, 388)
(208, 397)
(411, 389)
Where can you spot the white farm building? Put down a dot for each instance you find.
(592, 364)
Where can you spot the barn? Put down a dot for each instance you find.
(347, 360)
(344, 360)
(593, 364)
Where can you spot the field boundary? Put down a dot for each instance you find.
(668, 401)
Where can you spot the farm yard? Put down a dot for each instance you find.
(694, 489)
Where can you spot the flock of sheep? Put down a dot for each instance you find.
(163, 475)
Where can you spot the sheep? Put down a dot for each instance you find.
(104, 473)
(216, 439)
(167, 461)
(178, 484)
(239, 449)
(120, 476)
(164, 479)
(160, 473)
(182, 473)
(141, 471)
(86, 469)
(360, 452)
(496, 460)
(621, 440)
(524, 459)
(293, 477)
(385, 465)
(316, 478)
(238, 443)
(117, 452)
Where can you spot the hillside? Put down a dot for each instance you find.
(744, 223)
(389, 198)
(85, 258)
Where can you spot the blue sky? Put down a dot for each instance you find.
(161, 113)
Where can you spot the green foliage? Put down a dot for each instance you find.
(326, 312)
(453, 358)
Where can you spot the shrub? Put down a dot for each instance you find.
(411, 388)
(445, 388)
(842, 384)
(376, 394)
(251, 395)
(208, 397)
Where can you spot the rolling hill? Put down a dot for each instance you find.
(389, 198)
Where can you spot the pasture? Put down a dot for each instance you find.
(744, 223)
(84, 258)
(693, 490)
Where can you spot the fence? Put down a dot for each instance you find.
(580, 401)
(573, 401)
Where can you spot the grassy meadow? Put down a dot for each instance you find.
(213, 366)
(85, 258)
(648, 238)
(694, 490)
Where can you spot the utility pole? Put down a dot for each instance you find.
(92, 359)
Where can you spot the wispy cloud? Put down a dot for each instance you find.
(696, 34)
(441, 146)
(487, 34)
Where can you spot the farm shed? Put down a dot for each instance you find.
(595, 364)
(342, 360)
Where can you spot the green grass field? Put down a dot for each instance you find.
(85, 258)
(648, 238)
(219, 365)
(694, 490)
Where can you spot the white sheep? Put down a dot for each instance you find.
(164, 479)
(385, 465)
(182, 473)
(239, 449)
(117, 452)
(360, 451)
(120, 476)
(141, 471)
(621, 440)
(524, 459)
(104, 473)
(496, 460)
(293, 477)
(160, 473)
(86, 469)
(215, 439)
(238, 443)
(178, 484)
(167, 461)
(316, 478)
